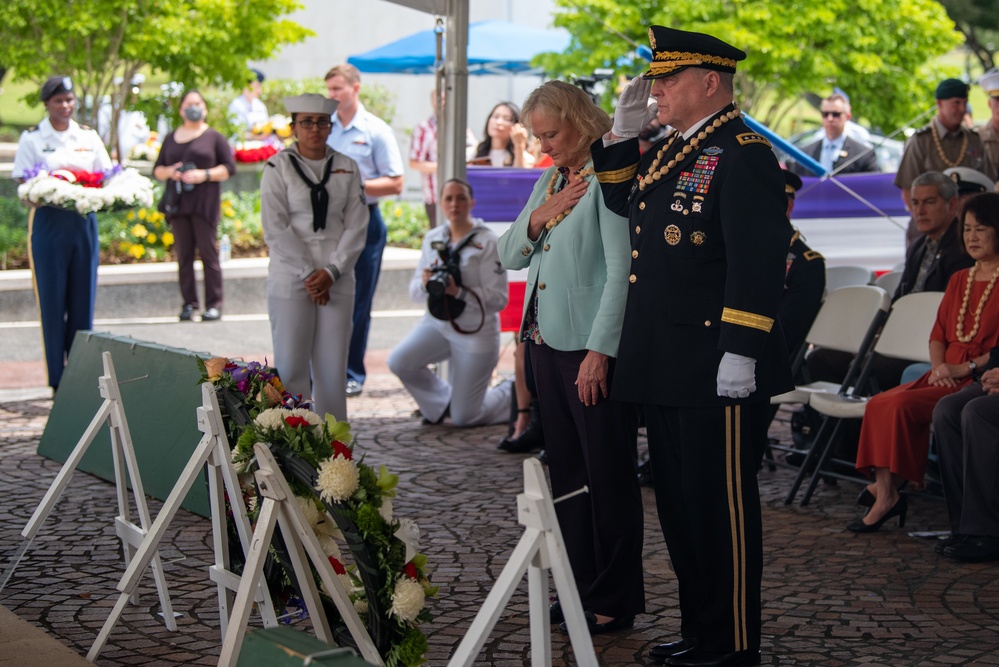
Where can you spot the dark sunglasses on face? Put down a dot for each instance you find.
(309, 124)
(833, 114)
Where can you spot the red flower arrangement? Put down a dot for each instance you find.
(254, 154)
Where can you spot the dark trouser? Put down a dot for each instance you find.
(63, 250)
(966, 430)
(431, 213)
(190, 232)
(366, 271)
(704, 464)
(593, 446)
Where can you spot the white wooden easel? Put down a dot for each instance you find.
(280, 507)
(540, 548)
(213, 451)
(123, 454)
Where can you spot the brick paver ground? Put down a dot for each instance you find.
(830, 597)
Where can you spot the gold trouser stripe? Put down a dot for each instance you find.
(617, 175)
(751, 320)
(733, 479)
(34, 284)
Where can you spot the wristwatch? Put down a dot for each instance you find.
(972, 367)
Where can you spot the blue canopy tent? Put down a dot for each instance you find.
(494, 47)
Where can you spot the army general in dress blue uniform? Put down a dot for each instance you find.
(701, 347)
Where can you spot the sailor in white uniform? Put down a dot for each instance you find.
(315, 223)
(461, 326)
(62, 244)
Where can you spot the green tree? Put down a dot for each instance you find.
(880, 51)
(978, 21)
(194, 42)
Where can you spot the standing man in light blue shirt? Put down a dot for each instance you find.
(836, 151)
(369, 140)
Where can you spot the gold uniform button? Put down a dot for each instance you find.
(541, 285)
(707, 323)
(641, 206)
(638, 229)
(634, 254)
(632, 278)
(548, 246)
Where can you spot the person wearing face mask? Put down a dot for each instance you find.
(62, 243)
(194, 160)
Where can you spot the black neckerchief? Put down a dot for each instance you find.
(320, 197)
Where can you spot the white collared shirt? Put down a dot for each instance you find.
(77, 147)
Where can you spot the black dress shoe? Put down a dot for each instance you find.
(186, 313)
(555, 614)
(531, 440)
(948, 541)
(543, 457)
(695, 658)
(447, 413)
(663, 651)
(354, 388)
(645, 478)
(899, 509)
(866, 498)
(974, 549)
(613, 625)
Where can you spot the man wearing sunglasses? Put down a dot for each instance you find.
(943, 143)
(837, 152)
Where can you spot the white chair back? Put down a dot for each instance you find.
(889, 281)
(845, 276)
(845, 317)
(906, 334)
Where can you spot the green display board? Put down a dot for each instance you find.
(160, 395)
(286, 647)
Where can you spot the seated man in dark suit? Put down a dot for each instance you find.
(966, 429)
(837, 152)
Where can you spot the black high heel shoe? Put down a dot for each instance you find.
(899, 509)
(866, 498)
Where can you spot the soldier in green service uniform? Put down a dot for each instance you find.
(701, 348)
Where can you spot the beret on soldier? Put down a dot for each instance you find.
(950, 88)
(310, 103)
(56, 85)
(675, 50)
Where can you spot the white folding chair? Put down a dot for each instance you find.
(846, 276)
(889, 281)
(847, 322)
(905, 335)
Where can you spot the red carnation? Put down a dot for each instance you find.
(337, 566)
(410, 570)
(296, 422)
(340, 449)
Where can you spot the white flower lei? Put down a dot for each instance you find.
(128, 188)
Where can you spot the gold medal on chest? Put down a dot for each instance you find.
(672, 234)
(698, 237)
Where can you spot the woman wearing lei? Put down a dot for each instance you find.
(62, 244)
(895, 433)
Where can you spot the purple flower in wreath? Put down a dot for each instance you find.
(243, 386)
(113, 171)
(240, 375)
(31, 172)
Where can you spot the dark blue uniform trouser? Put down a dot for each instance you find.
(366, 271)
(63, 250)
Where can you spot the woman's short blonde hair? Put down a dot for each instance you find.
(568, 103)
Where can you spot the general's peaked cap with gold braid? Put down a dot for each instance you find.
(675, 50)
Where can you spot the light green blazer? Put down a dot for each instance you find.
(579, 269)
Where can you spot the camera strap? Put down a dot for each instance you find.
(454, 325)
(320, 196)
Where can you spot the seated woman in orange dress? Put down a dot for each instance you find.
(895, 433)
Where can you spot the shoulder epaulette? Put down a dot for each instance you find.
(85, 127)
(752, 138)
(33, 128)
(809, 255)
(924, 129)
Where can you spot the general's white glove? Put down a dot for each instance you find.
(736, 376)
(635, 109)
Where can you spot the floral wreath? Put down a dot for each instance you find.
(343, 499)
(86, 191)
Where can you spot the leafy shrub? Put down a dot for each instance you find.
(406, 222)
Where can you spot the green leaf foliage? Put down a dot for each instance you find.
(880, 51)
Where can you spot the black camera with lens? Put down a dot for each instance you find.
(449, 267)
(181, 185)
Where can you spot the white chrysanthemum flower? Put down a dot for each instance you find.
(234, 454)
(330, 547)
(326, 526)
(346, 582)
(386, 510)
(361, 606)
(338, 479)
(309, 509)
(408, 599)
(308, 415)
(271, 418)
(251, 506)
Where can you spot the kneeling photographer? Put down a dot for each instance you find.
(461, 280)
